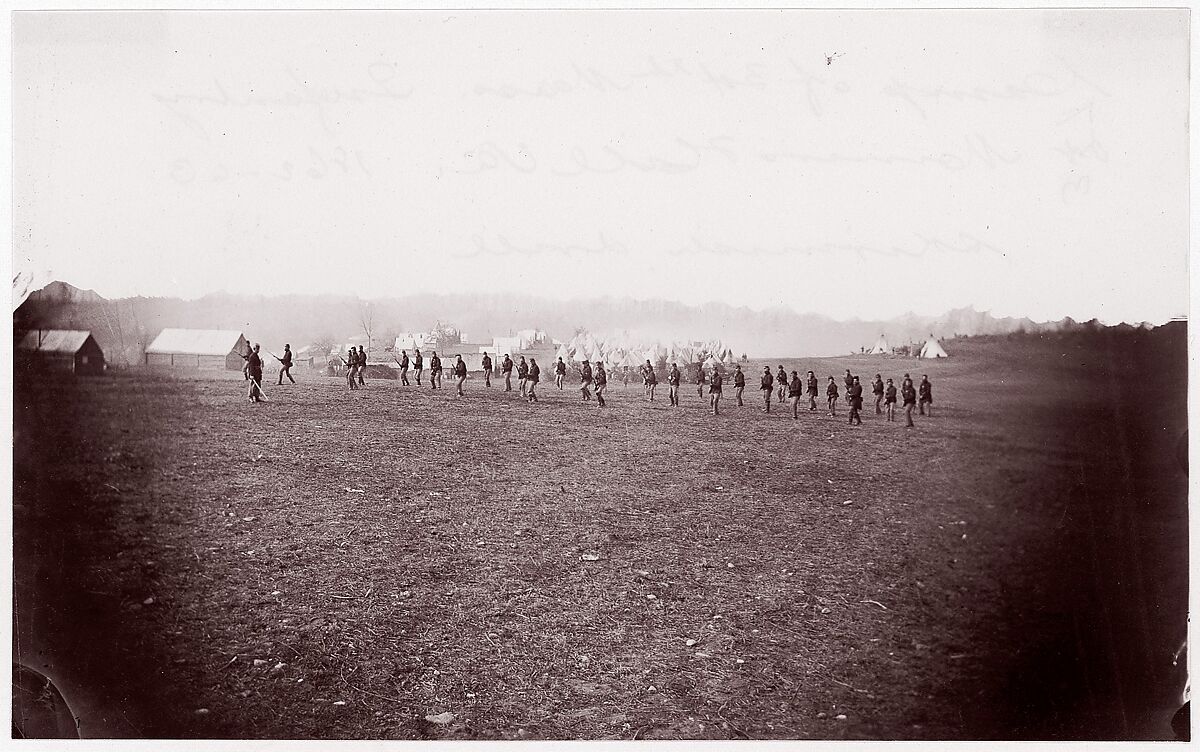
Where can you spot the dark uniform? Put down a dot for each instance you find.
(831, 395)
(910, 401)
(601, 381)
(700, 378)
(739, 384)
(435, 371)
(889, 400)
(532, 378)
(523, 375)
(781, 382)
(926, 396)
(285, 365)
(854, 397)
(362, 364)
(585, 375)
(848, 380)
(254, 370)
(673, 378)
(795, 391)
(417, 365)
(460, 374)
(506, 368)
(812, 391)
(560, 373)
(768, 386)
(714, 391)
(877, 388)
(403, 367)
(351, 361)
(487, 370)
(651, 379)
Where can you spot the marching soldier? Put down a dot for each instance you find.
(889, 401)
(926, 399)
(831, 395)
(486, 365)
(460, 373)
(285, 365)
(768, 386)
(854, 398)
(739, 384)
(560, 373)
(877, 389)
(812, 391)
(910, 400)
(350, 361)
(506, 368)
(531, 380)
(362, 364)
(254, 371)
(700, 379)
(523, 376)
(781, 383)
(714, 390)
(585, 375)
(418, 362)
(795, 392)
(673, 377)
(601, 380)
(848, 381)
(651, 380)
(404, 363)
(435, 371)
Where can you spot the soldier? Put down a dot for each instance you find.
(601, 380)
(714, 390)
(854, 398)
(435, 371)
(285, 365)
(350, 361)
(926, 400)
(673, 377)
(417, 364)
(781, 383)
(532, 378)
(362, 364)
(651, 380)
(795, 392)
(560, 373)
(739, 384)
(403, 363)
(831, 395)
(585, 376)
(460, 373)
(254, 370)
(848, 381)
(889, 401)
(877, 388)
(523, 376)
(768, 386)
(812, 391)
(506, 367)
(700, 379)
(486, 365)
(910, 400)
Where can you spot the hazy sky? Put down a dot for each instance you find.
(853, 163)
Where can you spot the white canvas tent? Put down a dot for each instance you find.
(933, 349)
(880, 348)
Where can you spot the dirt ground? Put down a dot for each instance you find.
(345, 565)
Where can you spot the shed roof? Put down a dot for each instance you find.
(195, 341)
(54, 340)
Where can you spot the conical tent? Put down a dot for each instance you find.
(933, 349)
(563, 353)
(579, 356)
(880, 348)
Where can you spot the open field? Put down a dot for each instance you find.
(1013, 567)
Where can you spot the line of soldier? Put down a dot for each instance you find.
(594, 382)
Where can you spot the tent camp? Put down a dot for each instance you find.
(63, 350)
(933, 349)
(880, 348)
(206, 349)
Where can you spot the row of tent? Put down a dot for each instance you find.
(931, 349)
(620, 352)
